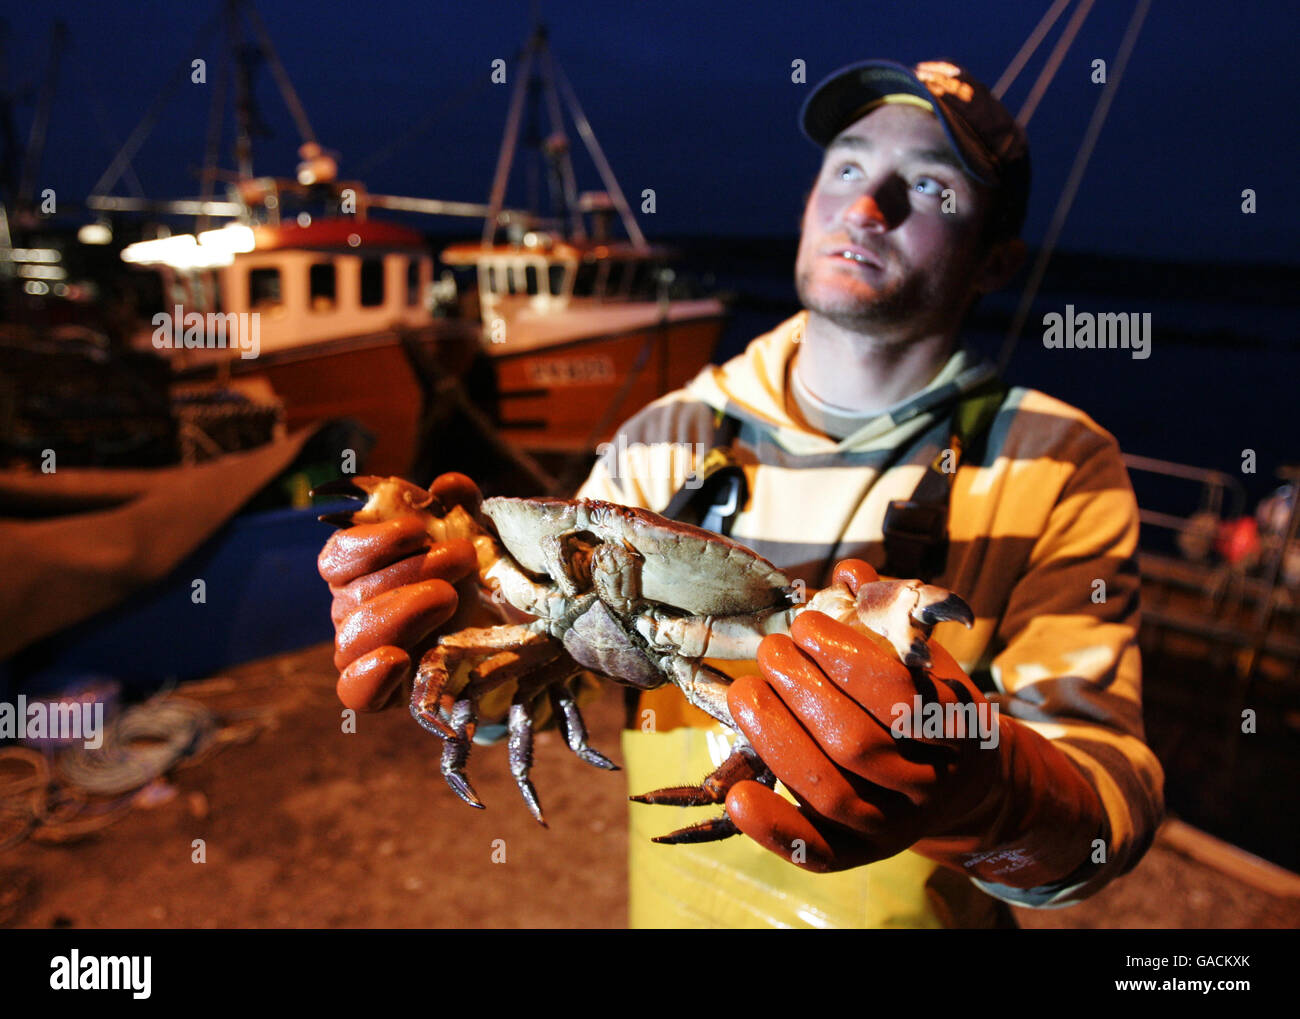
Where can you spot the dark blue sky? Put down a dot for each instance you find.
(695, 100)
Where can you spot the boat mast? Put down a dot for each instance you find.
(538, 60)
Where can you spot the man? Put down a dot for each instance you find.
(869, 441)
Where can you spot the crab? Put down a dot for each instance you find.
(630, 595)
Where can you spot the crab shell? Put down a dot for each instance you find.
(689, 568)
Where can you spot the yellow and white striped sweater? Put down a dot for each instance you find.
(1043, 532)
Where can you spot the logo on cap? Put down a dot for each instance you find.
(941, 79)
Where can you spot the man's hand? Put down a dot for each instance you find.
(834, 715)
(393, 590)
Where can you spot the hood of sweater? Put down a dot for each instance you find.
(754, 385)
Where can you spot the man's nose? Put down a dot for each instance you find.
(866, 214)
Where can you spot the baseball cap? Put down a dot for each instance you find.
(990, 144)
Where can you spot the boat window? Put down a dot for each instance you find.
(213, 293)
(492, 279)
(585, 283)
(372, 282)
(322, 282)
(556, 274)
(614, 281)
(645, 283)
(264, 289)
(634, 278)
(413, 281)
(530, 279)
(511, 285)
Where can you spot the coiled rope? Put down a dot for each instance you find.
(143, 744)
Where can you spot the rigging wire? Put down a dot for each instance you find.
(287, 91)
(1049, 70)
(124, 156)
(1027, 50)
(450, 106)
(1063, 204)
(602, 164)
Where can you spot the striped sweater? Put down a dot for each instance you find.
(1043, 531)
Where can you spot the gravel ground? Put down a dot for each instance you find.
(305, 826)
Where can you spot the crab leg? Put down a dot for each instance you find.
(741, 765)
(439, 664)
(520, 751)
(426, 695)
(703, 686)
(571, 724)
(520, 726)
(706, 688)
(455, 752)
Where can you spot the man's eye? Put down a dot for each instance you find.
(928, 186)
(847, 171)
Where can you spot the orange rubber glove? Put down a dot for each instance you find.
(826, 715)
(393, 591)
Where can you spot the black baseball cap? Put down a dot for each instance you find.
(990, 144)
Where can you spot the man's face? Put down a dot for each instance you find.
(878, 252)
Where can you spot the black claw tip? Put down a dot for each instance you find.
(950, 609)
(598, 760)
(530, 797)
(715, 830)
(461, 787)
(918, 655)
(337, 519)
(339, 486)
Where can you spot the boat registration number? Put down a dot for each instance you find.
(574, 371)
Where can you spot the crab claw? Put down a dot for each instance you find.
(339, 486)
(344, 487)
(935, 605)
(385, 498)
(905, 612)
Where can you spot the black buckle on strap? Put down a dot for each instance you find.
(916, 539)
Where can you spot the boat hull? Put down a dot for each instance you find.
(571, 395)
(370, 379)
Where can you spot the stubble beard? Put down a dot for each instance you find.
(895, 307)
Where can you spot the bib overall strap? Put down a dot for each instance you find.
(916, 529)
(717, 490)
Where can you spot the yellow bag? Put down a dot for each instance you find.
(738, 884)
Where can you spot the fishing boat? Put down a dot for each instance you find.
(302, 301)
(582, 328)
(327, 314)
